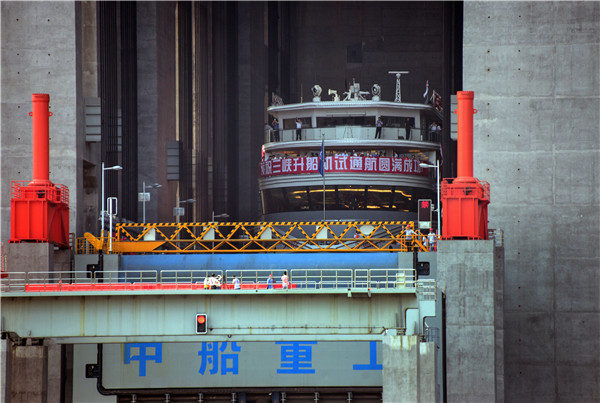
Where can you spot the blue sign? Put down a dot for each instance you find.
(242, 364)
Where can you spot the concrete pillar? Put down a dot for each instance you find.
(33, 373)
(27, 257)
(29, 371)
(471, 275)
(409, 372)
(30, 256)
(55, 374)
(5, 373)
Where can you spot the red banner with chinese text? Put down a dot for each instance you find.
(341, 163)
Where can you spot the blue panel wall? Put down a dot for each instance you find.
(260, 261)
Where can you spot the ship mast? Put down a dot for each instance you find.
(398, 90)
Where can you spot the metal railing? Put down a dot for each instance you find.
(385, 278)
(147, 280)
(352, 132)
(249, 237)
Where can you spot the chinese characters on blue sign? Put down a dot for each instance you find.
(216, 358)
(210, 356)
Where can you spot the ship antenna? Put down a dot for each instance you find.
(398, 91)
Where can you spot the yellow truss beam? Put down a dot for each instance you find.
(253, 237)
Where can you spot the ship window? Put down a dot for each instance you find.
(379, 198)
(297, 199)
(344, 197)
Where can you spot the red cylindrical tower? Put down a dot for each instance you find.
(465, 198)
(39, 208)
(464, 112)
(41, 138)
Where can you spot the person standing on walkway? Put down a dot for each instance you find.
(269, 131)
(270, 282)
(408, 236)
(431, 237)
(407, 126)
(276, 129)
(298, 129)
(285, 281)
(236, 283)
(378, 126)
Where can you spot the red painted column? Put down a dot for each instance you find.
(41, 138)
(465, 113)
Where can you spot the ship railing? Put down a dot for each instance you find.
(315, 279)
(353, 132)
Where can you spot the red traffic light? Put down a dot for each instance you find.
(201, 323)
(424, 213)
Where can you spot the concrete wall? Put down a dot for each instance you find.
(38, 52)
(409, 372)
(535, 70)
(84, 389)
(470, 273)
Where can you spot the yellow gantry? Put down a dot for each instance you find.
(240, 237)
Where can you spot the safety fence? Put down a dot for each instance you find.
(350, 132)
(253, 237)
(299, 279)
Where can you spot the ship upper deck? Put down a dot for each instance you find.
(353, 123)
(351, 108)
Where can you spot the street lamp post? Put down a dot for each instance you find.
(437, 175)
(113, 209)
(144, 197)
(113, 168)
(222, 215)
(179, 211)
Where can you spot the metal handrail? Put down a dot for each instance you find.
(393, 278)
(366, 132)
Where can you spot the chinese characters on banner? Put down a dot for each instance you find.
(341, 163)
(223, 358)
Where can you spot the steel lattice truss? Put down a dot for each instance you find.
(253, 237)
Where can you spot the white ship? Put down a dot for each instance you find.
(369, 173)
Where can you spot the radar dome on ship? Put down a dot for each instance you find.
(376, 92)
(316, 90)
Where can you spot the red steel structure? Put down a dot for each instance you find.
(465, 198)
(39, 208)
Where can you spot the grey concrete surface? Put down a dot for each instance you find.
(47, 64)
(28, 257)
(409, 373)
(470, 273)
(29, 374)
(148, 108)
(535, 70)
(5, 373)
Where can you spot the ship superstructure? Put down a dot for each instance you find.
(371, 151)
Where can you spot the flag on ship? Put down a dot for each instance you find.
(322, 159)
(437, 101)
